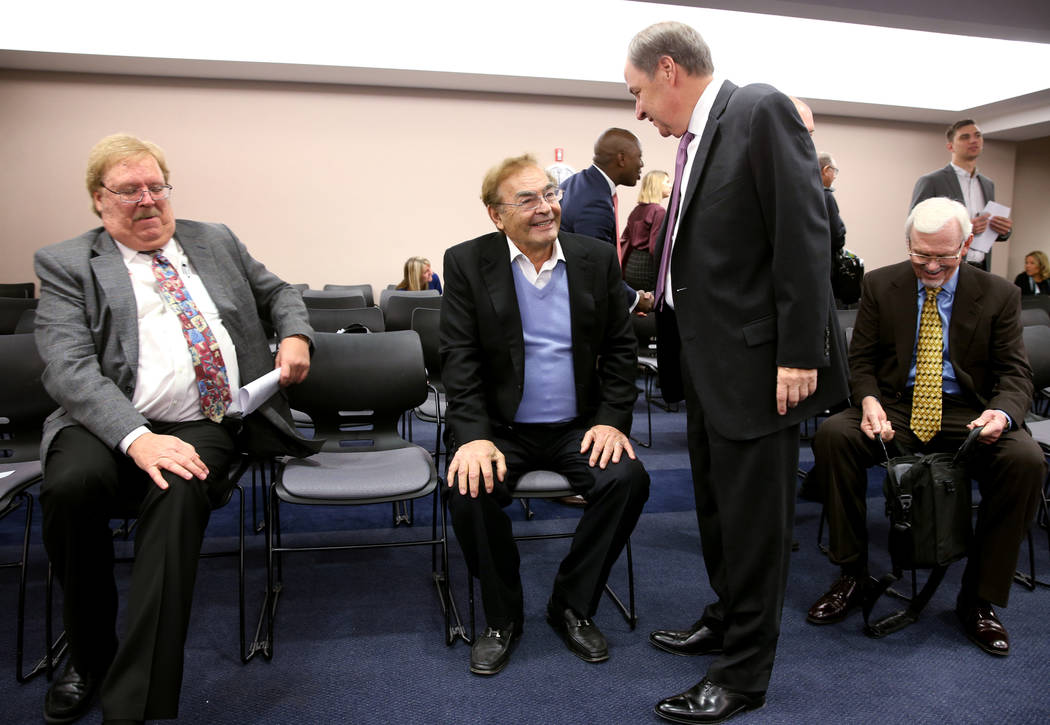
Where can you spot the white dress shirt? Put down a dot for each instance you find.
(538, 279)
(973, 200)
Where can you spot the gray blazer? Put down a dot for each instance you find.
(945, 182)
(87, 329)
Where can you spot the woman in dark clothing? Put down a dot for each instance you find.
(643, 227)
(1035, 279)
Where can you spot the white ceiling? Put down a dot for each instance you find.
(994, 64)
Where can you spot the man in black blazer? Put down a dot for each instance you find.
(746, 316)
(539, 363)
(960, 181)
(986, 381)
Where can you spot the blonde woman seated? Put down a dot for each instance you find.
(643, 227)
(1035, 279)
(419, 276)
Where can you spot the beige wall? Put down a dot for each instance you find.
(341, 184)
(1031, 202)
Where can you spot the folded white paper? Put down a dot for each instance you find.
(983, 242)
(255, 393)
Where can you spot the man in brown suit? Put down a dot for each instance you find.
(985, 381)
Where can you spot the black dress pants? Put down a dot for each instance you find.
(1009, 474)
(745, 507)
(615, 497)
(86, 483)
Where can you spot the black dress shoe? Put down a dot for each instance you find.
(581, 635)
(984, 628)
(697, 640)
(706, 702)
(491, 651)
(70, 696)
(845, 595)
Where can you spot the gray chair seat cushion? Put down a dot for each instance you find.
(359, 477)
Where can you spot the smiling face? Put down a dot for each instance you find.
(943, 243)
(144, 226)
(531, 231)
(657, 99)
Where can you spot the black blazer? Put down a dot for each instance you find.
(483, 348)
(751, 268)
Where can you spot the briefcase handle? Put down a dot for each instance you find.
(964, 450)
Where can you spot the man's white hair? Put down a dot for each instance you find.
(931, 215)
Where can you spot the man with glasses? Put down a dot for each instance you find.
(147, 326)
(960, 181)
(539, 363)
(927, 397)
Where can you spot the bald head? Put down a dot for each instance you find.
(618, 153)
(805, 113)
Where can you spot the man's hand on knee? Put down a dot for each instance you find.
(606, 443)
(472, 463)
(154, 453)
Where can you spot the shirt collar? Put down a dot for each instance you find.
(171, 250)
(704, 104)
(960, 171)
(947, 289)
(612, 186)
(556, 257)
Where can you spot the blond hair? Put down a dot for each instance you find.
(113, 149)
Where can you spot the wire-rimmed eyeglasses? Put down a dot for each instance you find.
(531, 202)
(157, 192)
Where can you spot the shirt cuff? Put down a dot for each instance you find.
(637, 297)
(1009, 420)
(131, 437)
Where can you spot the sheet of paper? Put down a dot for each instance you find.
(5, 474)
(255, 393)
(983, 242)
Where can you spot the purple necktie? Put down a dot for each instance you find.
(212, 385)
(665, 256)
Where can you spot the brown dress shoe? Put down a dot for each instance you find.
(845, 595)
(984, 628)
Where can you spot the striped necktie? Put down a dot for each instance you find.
(929, 369)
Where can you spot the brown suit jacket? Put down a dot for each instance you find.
(984, 339)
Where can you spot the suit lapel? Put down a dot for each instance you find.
(704, 147)
(966, 308)
(579, 269)
(905, 319)
(109, 269)
(952, 180)
(499, 281)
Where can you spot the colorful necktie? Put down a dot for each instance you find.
(929, 369)
(672, 206)
(212, 385)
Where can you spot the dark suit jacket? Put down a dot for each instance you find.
(945, 182)
(750, 268)
(836, 226)
(984, 339)
(87, 329)
(587, 207)
(483, 348)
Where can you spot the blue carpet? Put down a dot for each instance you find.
(359, 634)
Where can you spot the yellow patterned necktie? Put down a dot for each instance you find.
(929, 369)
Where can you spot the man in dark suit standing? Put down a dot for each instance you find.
(981, 377)
(960, 181)
(147, 325)
(531, 387)
(745, 311)
(590, 202)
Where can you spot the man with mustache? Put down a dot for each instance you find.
(147, 326)
(960, 181)
(539, 363)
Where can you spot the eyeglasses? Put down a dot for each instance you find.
(157, 192)
(924, 259)
(531, 202)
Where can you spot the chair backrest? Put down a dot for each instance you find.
(385, 295)
(333, 299)
(1040, 302)
(24, 290)
(426, 322)
(358, 387)
(11, 309)
(364, 289)
(398, 312)
(1035, 316)
(24, 404)
(301, 286)
(1037, 345)
(328, 320)
(27, 321)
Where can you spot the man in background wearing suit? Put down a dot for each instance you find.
(981, 377)
(746, 317)
(531, 387)
(590, 202)
(960, 181)
(147, 325)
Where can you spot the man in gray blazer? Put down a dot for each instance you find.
(960, 181)
(134, 435)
